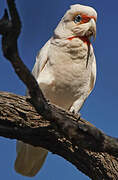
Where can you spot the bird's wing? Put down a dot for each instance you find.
(41, 60)
(93, 76)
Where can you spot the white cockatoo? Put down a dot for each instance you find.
(65, 70)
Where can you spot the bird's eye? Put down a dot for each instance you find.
(77, 18)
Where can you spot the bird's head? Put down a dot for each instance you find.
(78, 21)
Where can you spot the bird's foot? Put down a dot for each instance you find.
(77, 115)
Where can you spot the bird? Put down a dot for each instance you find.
(65, 70)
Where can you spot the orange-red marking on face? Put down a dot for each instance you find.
(86, 18)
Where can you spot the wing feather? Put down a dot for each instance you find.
(41, 60)
(93, 76)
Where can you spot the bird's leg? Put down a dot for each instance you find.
(75, 110)
(77, 105)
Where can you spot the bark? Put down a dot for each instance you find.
(37, 122)
(79, 142)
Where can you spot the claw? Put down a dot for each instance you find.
(76, 115)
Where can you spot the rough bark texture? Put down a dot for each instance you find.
(20, 120)
(35, 121)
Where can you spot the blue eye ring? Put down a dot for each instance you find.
(77, 18)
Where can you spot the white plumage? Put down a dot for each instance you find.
(65, 69)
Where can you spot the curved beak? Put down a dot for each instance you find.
(92, 28)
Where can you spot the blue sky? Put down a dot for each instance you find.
(39, 19)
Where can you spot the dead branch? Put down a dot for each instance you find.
(35, 121)
(90, 150)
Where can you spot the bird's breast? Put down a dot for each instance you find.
(63, 84)
(65, 77)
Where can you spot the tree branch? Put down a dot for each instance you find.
(10, 30)
(35, 121)
(96, 156)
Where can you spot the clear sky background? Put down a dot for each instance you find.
(39, 19)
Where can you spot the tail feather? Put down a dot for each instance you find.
(29, 159)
